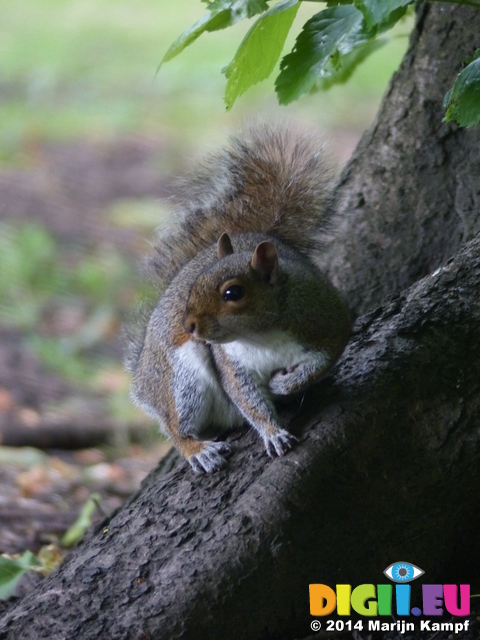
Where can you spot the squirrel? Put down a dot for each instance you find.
(245, 316)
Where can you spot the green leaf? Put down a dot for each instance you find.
(326, 38)
(240, 9)
(346, 64)
(12, 569)
(384, 13)
(462, 102)
(257, 55)
(223, 14)
(82, 523)
(210, 22)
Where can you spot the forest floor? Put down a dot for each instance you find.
(68, 269)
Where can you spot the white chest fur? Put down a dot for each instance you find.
(260, 357)
(199, 397)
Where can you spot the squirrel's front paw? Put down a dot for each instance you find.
(277, 444)
(283, 382)
(210, 458)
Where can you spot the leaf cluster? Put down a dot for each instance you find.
(327, 50)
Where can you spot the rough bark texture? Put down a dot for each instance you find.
(388, 464)
(410, 196)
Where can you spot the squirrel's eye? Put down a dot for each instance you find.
(233, 293)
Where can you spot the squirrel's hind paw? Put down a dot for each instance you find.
(277, 444)
(210, 458)
(284, 381)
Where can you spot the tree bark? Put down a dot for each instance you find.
(388, 463)
(410, 196)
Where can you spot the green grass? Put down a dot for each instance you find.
(65, 308)
(88, 68)
(37, 272)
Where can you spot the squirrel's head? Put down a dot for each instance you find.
(236, 297)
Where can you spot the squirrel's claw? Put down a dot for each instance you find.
(278, 443)
(210, 458)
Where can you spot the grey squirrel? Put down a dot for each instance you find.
(245, 316)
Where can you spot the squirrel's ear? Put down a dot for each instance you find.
(265, 260)
(224, 246)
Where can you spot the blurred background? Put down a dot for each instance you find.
(91, 139)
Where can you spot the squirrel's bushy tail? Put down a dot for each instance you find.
(269, 181)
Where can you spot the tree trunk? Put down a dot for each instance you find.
(388, 463)
(410, 196)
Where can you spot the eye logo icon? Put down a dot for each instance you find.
(403, 572)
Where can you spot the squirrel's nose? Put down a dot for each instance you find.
(189, 324)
